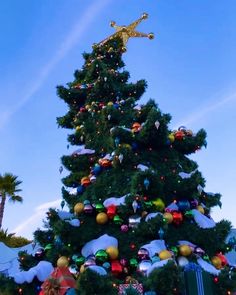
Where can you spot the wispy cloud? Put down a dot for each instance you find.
(204, 111)
(72, 39)
(27, 227)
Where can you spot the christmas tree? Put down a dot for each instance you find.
(139, 218)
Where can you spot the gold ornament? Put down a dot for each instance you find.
(200, 209)
(112, 252)
(150, 36)
(165, 254)
(62, 261)
(102, 218)
(216, 261)
(171, 137)
(82, 268)
(185, 250)
(78, 208)
(126, 32)
(160, 205)
(168, 217)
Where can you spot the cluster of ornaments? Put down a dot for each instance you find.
(180, 134)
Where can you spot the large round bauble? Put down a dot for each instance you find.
(112, 252)
(88, 209)
(143, 254)
(111, 211)
(102, 218)
(216, 261)
(96, 169)
(82, 268)
(144, 266)
(124, 228)
(85, 181)
(159, 204)
(78, 208)
(117, 220)
(168, 217)
(89, 262)
(185, 250)
(171, 137)
(165, 254)
(193, 203)
(133, 263)
(79, 260)
(183, 205)
(200, 209)
(101, 256)
(116, 267)
(62, 261)
(177, 217)
(99, 207)
(136, 127)
(223, 259)
(182, 261)
(134, 221)
(179, 135)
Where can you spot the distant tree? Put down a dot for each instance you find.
(9, 188)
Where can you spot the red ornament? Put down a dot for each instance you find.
(82, 109)
(105, 163)
(179, 135)
(223, 259)
(111, 211)
(85, 181)
(132, 246)
(177, 217)
(136, 127)
(116, 267)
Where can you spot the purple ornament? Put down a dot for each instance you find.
(124, 228)
(143, 254)
(193, 203)
(123, 262)
(88, 209)
(199, 251)
(89, 262)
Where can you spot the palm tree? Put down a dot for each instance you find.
(8, 189)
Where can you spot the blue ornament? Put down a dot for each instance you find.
(146, 183)
(161, 233)
(117, 141)
(134, 146)
(96, 169)
(80, 189)
(183, 205)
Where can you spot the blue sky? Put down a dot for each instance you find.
(189, 66)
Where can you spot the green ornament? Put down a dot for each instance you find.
(99, 207)
(133, 262)
(188, 214)
(48, 247)
(206, 257)
(80, 260)
(101, 256)
(148, 204)
(117, 220)
(174, 250)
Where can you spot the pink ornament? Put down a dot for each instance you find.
(123, 262)
(124, 228)
(143, 254)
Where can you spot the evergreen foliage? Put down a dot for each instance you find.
(127, 152)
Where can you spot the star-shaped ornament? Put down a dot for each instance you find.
(126, 32)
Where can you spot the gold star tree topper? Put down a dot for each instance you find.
(126, 32)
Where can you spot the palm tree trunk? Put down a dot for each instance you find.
(2, 206)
